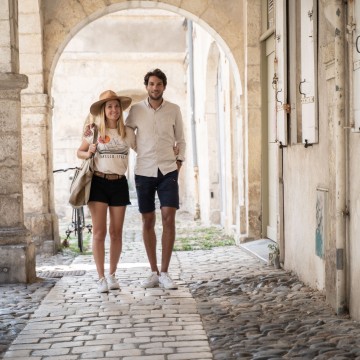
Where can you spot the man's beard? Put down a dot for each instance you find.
(157, 97)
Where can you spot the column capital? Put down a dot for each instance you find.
(12, 81)
(14, 235)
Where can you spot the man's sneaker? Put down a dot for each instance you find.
(166, 282)
(151, 281)
(113, 283)
(102, 285)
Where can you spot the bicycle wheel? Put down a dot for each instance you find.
(79, 227)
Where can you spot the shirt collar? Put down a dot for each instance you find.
(150, 107)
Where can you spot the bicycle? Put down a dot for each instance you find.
(77, 221)
(78, 225)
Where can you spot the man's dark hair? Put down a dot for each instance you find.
(156, 72)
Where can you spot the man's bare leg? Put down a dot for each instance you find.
(149, 238)
(168, 236)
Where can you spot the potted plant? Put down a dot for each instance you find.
(274, 255)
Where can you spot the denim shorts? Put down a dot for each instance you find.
(166, 187)
(111, 192)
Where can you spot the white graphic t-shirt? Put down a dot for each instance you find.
(112, 153)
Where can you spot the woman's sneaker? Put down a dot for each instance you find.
(151, 281)
(113, 283)
(102, 285)
(166, 282)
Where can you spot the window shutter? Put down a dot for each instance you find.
(356, 68)
(270, 9)
(308, 83)
(280, 71)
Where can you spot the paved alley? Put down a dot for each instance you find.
(229, 305)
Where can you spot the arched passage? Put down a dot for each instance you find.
(63, 19)
(119, 62)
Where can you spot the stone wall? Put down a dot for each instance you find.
(17, 250)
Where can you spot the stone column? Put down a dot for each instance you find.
(39, 212)
(36, 114)
(17, 251)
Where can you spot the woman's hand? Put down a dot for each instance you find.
(91, 150)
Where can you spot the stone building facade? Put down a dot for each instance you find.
(269, 94)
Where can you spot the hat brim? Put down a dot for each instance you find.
(136, 95)
(96, 106)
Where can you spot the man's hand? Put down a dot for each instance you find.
(87, 131)
(179, 164)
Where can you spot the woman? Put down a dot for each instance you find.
(109, 187)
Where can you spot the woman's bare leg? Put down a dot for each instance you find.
(117, 215)
(98, 212)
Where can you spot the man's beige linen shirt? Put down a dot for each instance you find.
(157, 131)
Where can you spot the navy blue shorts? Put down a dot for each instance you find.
(111, 192)
(167, 189)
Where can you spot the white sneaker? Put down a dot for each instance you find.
(151, 281)
(102, 285)
(113, 283)
(166, 282)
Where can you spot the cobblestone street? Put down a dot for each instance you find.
(230, 305)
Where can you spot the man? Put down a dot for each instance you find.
(158, 127)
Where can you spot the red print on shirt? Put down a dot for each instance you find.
(101, 141)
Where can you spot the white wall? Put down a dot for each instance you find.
(213, 122)
(305, 170)
(353, 248)
(202, 42)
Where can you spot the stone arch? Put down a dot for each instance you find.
(118, 62)
(233, 24)
(214, 21)
(62, 20)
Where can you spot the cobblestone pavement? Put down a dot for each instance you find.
(229, 305)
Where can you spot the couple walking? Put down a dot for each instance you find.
(154, 130)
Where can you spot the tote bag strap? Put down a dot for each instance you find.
(95, 136)
(96, 131)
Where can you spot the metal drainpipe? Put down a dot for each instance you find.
(340, 162)
(192, 119)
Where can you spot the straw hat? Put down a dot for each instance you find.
(136, 95)
(107, 96)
